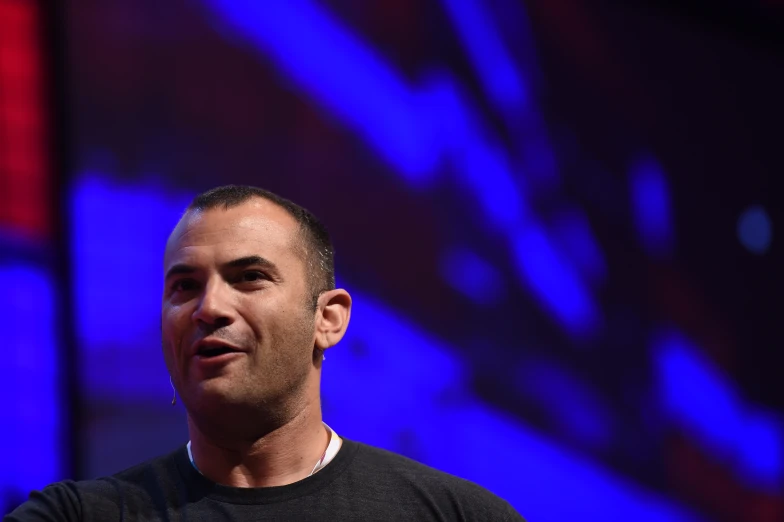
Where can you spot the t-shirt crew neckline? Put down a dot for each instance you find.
(199, 486)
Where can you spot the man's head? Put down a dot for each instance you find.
(312, 238)
(249, 273)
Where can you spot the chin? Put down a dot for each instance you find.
(214, 393)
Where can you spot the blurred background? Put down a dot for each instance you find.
(557, 219)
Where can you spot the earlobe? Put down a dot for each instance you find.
(333, 317)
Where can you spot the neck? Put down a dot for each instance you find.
(281, 456)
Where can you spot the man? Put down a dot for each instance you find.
(249, 307)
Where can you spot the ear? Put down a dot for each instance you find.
(334, 311)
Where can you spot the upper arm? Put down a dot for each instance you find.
(58, 502)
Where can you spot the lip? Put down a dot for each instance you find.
(217, 360)
(207, 343)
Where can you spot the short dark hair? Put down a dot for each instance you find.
(315, 240)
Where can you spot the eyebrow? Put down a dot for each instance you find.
(241, 262)
(179, 269)
(246, 261)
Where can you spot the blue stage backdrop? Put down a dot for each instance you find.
(557, 222)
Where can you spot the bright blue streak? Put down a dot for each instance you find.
(346, 75)
(497, 70)
(574, 234)
(542, 480)
(762, 452)
(31, 429)
(696, 395)
(755, 230)
(412, 128)
(503, 82)
(482, 166)
(701, 400)
(486, 172)
(383, 359)
(471, 275)
(650, 196)
(430, 414)
(554, 281)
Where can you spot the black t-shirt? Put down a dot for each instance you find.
(361, 483)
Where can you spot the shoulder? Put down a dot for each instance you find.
(449, 494)
(56, 502)
(158, 470)
(96, 499)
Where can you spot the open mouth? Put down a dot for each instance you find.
(215, 351)
(211, 349)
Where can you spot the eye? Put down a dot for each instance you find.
(252, 276)
(184, 285)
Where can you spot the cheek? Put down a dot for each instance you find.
(273, 323)
(174, 324)
(296, 330)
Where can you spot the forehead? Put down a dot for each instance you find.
(256, 227)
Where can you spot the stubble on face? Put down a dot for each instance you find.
(271, 319)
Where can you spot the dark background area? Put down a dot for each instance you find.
(560, 222)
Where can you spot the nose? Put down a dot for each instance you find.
(215, 309)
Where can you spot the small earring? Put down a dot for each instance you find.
(174, 392)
